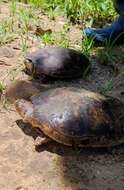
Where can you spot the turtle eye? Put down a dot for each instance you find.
(29, 66)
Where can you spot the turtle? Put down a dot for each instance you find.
(74, 117)
(56, 62)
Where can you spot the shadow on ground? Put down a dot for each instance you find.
(79, 168)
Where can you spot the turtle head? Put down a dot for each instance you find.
(29, 67)
(25, 109)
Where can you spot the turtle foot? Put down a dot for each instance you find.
(39, 141)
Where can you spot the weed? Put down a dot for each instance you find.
(77, 10)
(23, 45)
(87, 46)
(59, 38)
(80, 10)
(13, 8)
(24, 20)
(6, 31)
(2, 87)
(111, 84)
(48, 39)
(64, 41)
(108, 86)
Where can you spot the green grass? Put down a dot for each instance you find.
(110, 84)
(2, 87)
(77, 10)
(87, 12)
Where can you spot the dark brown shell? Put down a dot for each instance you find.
(72, 116)
(73, 112)
(56, 62)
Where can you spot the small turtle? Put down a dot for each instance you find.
(74, 117)
(56, 62)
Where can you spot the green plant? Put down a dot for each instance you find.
(80, 10)
(2, 87)
(24, 20)
(111, 84)
(48, 39)
(108, 86)
(24, 45)
(77, 10)
(13, 8)
(6, 31)
(63, 40)
(87, 46)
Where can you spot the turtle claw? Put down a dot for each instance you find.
(39, 141)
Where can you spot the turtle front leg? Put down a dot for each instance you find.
(41, 141)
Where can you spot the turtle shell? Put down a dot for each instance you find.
(56, 62)
(73, 116)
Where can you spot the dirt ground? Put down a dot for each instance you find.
(54, 167)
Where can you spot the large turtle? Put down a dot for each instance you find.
(56, 62)
(74, 117)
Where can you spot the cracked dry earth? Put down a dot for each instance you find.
(54, 167)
